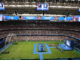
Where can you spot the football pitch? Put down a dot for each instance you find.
(25, 50)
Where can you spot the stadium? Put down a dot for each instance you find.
(39, 29)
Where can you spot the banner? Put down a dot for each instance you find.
(11, 17)
(1, 17)
(68, 19)
(39, 18)
(30, 18)
(47, 18)
(61, 18)
(74, 19)
(79, 19)
(56, 18)
(21, 17)
(15, 17)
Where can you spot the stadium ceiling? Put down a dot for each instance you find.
(62, 1)
(59, 7)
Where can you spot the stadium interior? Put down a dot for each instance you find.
(40, 38)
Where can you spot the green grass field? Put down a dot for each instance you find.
(24, 50)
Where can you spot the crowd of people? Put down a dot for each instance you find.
(41, 29)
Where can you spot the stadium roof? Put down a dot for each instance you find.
(56, 7)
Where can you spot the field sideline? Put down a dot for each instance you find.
(24, 50)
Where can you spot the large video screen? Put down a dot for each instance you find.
(42, 6)
(2, 6)
(68, 43)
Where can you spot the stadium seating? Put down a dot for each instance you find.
(66, 29)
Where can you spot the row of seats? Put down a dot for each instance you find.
(57, 26)
(41, 38)
(40, 32)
